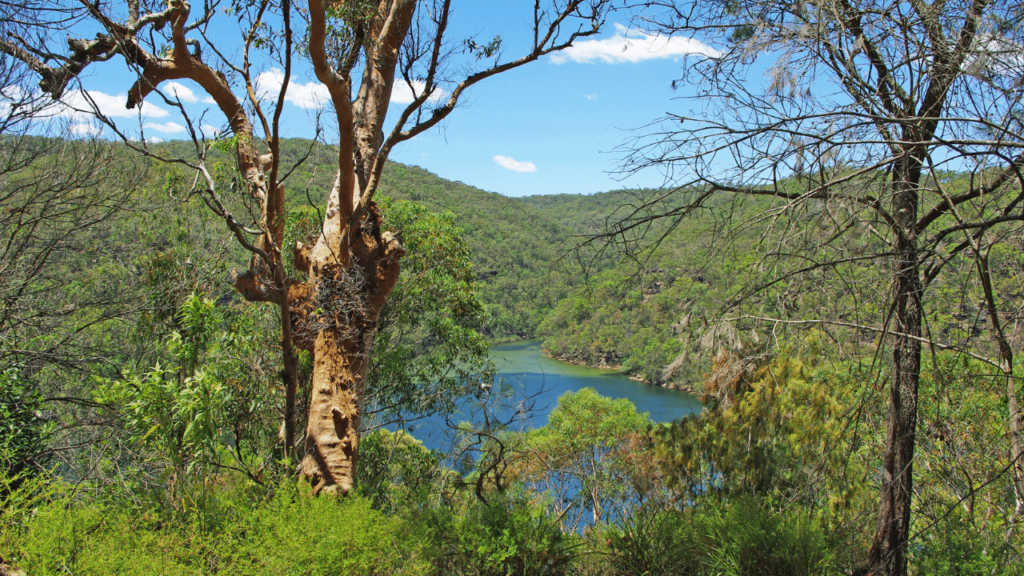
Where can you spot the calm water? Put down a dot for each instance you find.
(528, 373)
(525, 361)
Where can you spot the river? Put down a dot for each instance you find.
(528, 373)
(525, 361)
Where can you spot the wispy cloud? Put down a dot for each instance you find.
(514, 165)
(632, 46)
(167, 127)
(184, 93)
(80, 103)
(311, 95)
(85, 129)
(403, 93)
(993, 55)
(590, 97)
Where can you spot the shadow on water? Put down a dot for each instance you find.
(527, 371)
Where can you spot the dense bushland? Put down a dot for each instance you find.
(150, 444)
(773, 478)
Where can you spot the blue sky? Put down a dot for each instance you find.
(553, 126)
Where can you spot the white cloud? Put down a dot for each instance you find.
(403, 93)
(514, 165)
(312, 95)
(76, 104)
(632, 46)
(590, 97)
(993, 56)
(167, 128)
(209, 131)
(184, 93)
(154, 140)
(87, 129)
(11, 93)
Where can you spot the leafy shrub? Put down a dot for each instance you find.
(955, 547)
(654, 543)
(507, 536)
(325, 536)
(396, 470)
(744, 537)
(753, 540)
(291, 533)
(21, 427)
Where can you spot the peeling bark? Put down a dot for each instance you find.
(348, 299)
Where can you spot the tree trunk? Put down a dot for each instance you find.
(889, 548)
(350, 278)
(1016, 443)
(1006, 366)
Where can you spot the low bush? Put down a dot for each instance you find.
(507, 536)
(290, 533)
(742, 537)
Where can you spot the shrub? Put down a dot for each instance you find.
(744, 537)
(291, 533)
(654, 543)
(325, 536)
(753, 540)
(507, 536)
(957, 547)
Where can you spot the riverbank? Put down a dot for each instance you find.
(618, 367)
(528, 368)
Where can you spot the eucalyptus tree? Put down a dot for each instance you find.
(864, 110)
(361, 51)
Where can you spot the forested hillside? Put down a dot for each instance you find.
(181, 386)
(650, 301)
(217, 353)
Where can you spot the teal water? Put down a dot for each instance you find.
(534, 381)
(525, 362)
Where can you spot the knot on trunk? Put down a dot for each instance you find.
(252, 287)
(302, 255)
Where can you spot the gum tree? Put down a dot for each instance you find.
(361, 51)
(865, 109)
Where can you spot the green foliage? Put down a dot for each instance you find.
(650, 542)
(757, 541)
(956, 547)
(21, 426)
(325, 536)
(963, 526)
(429, 352)
(396, 471)
(585, 421)
(741, 538)
(225, 145)
(177, 412)
(579, 455)
(589, 465)
(777, 429)
(507, 536)
(287, 534)
(207, 407)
